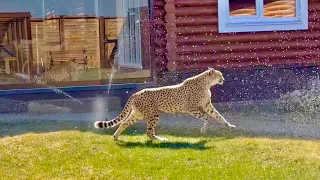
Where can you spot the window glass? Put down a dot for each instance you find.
(262, 15)
(279, 8)
(242, 7)
(40, 39)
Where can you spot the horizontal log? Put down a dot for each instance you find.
(196, 11)
(194, 3)
(250, 56)
(196, 21)
(245, 64)
(314, 7)
(247, 47)
(193, 30)
(248, 37)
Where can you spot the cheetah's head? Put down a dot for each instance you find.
(215, 76)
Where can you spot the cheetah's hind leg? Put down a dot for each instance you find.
(132, 118)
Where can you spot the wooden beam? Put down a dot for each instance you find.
(14, 37)
(103, 60)
(32, 68)
(10, 34)
(20, 48)
(61, 33)
(25, 46)
(15, 15)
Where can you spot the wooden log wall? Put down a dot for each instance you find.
(194, 41)
(158, 39)
(145, 38)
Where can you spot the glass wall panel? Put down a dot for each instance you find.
(73, 42)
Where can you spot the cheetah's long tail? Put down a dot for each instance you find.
(111, 123)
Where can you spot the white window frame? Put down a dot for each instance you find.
(257, 22)
(129, 41)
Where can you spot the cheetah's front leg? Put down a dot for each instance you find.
(209, 109)
(152, 122)
(201, 115)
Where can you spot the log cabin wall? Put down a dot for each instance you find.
(158, 40)
(194, 43)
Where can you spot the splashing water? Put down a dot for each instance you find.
(99, 108)
(116, 59)
(38, 81)
(58, 91)
(110, 80)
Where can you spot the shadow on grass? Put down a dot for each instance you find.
(200, 145)
(19, 127)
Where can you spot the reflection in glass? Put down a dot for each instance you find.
(279, 8)
(73, 42)
(242, 7)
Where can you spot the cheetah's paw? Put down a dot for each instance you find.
(231, 126)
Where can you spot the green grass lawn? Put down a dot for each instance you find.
(65, 150)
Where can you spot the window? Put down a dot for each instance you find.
(262, 15)
(130, 40)
(108, 39)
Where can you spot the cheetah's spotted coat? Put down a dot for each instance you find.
(192, 97)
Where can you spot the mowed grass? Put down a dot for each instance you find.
(63, 150)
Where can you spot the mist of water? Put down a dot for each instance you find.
(38, 81)
(99, 108)
(113, 70)
(110, 80)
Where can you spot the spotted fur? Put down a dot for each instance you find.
(60, 73)
(191, 97)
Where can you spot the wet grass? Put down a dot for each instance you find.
(69, 150)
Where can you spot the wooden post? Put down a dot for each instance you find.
(31, 67)
(103, 62)
(61, 33)
(9, 35)
(18, 44)
(25, 45)
(37, 45)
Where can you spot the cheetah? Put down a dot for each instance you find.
(191, 97)
(60, 73)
